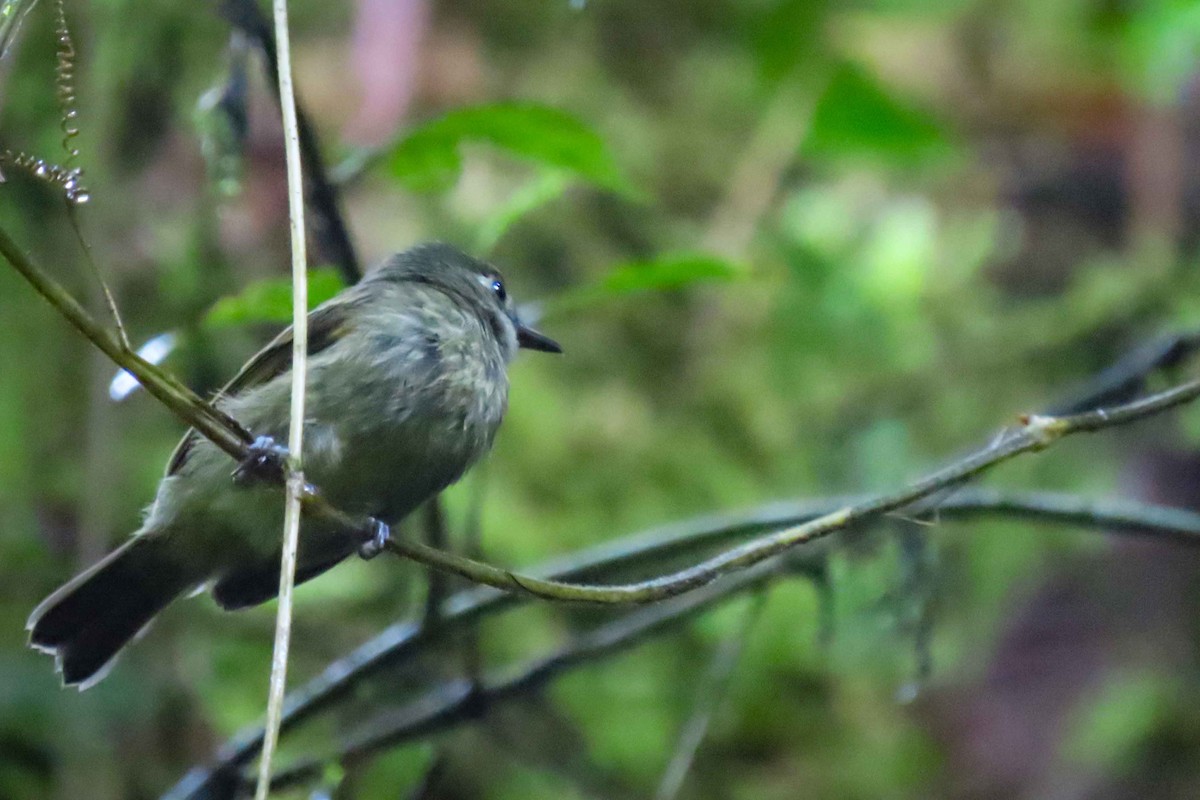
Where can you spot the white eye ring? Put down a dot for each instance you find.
(494, 285)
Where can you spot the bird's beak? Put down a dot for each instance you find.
(532, 340)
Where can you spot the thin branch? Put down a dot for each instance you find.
(94, 268)
(433, 519)
(472, 646)
(295, 473)
(1127, 376)
(329, 226)
(708, 700)
(458, 702)
(76, 194)
(223, 430)
(914, 604)
(663, 545)
(1035, 433)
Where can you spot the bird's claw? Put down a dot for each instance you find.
(379, 535)
(265, 462)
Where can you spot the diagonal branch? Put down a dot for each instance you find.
(224, 431)
(459, 702)
(329, 226)
(1126, 377)
(1034, 434)
(713, 689)
(648, 550)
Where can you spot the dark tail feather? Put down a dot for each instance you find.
(87, 621)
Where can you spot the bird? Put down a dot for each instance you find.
(406, 387)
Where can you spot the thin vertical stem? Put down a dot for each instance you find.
(295, 478)
(708, 700)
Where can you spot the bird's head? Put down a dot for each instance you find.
(476, 284)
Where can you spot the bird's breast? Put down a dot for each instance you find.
(405, 424)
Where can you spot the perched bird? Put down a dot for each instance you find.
(407, 384)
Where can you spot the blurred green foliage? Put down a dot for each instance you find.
(270, 300)
(427, 158)
(855, 116)
(791, 249)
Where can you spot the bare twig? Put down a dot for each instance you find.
(76, 194)
(1034, 434)
(224, 431)
(94, 268)
(437, 587)
(658, 546)
(458, 702)
(472, 647)
(709, 697)
(1127, 376)
(295, 473)
(436, 535)
(330, 231)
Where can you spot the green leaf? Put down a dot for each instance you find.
(546, 188)
(668, 272)
(429, 157)
(856, 116)
(665, 273)
(270, 300)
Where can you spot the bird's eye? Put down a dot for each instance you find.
(498, 288)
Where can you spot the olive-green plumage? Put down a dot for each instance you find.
(407, 385)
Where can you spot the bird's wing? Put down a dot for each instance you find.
(326, 324)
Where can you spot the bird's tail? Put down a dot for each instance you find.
(87, 621)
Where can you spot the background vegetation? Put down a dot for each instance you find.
(792, 249)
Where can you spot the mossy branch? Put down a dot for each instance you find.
(648, 550)
(1032, 434)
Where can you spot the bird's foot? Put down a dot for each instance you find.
(379, 533)
(265, 462)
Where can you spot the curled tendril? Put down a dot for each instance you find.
(64, 81)
(67, 179)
